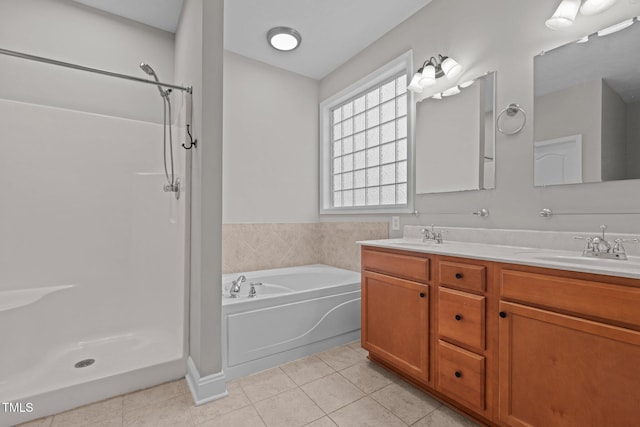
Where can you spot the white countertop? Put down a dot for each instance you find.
(537, 257)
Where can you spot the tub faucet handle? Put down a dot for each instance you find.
(235, 286)
(252, 291)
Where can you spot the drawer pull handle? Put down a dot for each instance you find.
(503, 314)
(422, 295)
(458, 374)
(458, 317)
(458, 275)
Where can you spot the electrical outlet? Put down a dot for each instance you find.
(395, 223)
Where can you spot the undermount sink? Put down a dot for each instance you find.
(584, 260)
(417, 243)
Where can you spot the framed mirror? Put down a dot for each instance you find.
(455, 138)
(587, 109)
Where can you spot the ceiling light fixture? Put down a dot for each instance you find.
(567, 10)
(433, 69)
(284, 38)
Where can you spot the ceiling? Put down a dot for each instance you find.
(332, 30)
(163, 14)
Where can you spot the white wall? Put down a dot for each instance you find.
(71, 32)
(270, 144)
(501, 35)
(199, 63)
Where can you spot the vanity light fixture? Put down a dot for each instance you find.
(433, 69)
(284, 38)
(466, 84)
(451, 91)
(564, 15)
(567, 11)
(593, 7)
(616, 27)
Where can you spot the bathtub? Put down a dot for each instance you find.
(297, 311)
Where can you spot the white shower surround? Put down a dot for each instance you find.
(297, 311)
(91, 260)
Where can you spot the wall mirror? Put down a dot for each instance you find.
(455, 138)
(587, 109)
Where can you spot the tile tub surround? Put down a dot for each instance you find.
(250, 247)
(338, 387)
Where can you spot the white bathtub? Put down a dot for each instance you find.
(297, 311)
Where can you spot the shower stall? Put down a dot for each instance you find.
(92, 248)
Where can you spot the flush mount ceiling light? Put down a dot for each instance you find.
(284, 38)
(433, 69)
(567, 10)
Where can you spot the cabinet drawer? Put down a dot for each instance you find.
(461, 318)
(464, 276)
(461, 374)
(594, 299)
(405, 266)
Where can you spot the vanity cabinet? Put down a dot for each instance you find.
(508, 344)
(395, 311)
(569, 350)
(462, 354)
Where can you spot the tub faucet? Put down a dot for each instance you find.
(235, 286)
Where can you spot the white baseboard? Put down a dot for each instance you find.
(205, 389)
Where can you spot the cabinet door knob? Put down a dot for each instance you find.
(458, 317)
(422, 295)
(458, 275)
(503, 314)
(458, 374)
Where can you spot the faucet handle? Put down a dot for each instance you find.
(252, 290)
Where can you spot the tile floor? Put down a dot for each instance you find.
(337, 387)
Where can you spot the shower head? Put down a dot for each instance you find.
(147, 69)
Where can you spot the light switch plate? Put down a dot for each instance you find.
(395, 223)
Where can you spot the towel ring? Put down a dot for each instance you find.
(511, 110)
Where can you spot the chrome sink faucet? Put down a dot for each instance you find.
(235, 286)
(599, 246)
(433, 234)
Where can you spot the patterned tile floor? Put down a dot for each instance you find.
(337, 387)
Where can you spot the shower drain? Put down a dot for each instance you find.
(84, 363)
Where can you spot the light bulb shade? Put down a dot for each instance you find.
(616, 27)
(564, 15)
(593, 7)
(451, 68)
(466, 84)
(415, 86)
(451, 91)
(428, 76)
(437, 96)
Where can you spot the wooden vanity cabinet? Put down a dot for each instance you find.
(508, 344)
(463, 358)
(569, 350)
(395, 311)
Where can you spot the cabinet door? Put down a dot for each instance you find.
(558, 370)
(395, 316)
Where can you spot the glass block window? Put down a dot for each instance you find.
(366, 142)
(369, 146)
